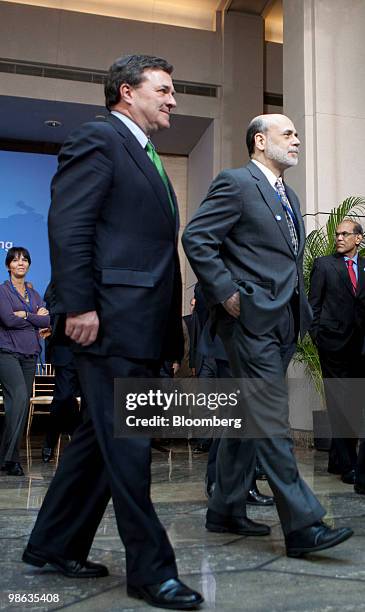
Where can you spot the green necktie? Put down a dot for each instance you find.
(155, 159)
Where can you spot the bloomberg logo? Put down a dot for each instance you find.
(5, 245)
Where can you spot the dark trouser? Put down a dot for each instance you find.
(360, 467)
(344, 400)
(64, 410)
(265, 359)
(16, 377)
(95, 466)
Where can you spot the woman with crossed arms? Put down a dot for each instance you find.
(22, 315)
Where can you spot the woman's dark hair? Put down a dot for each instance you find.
(129, 69)
(16, 252)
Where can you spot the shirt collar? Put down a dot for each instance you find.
(354, 258)
(133, 127)
(267, 172)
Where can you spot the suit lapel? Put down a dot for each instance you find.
(339, 264)
(360, 276)
(144, 163)
(272, 200)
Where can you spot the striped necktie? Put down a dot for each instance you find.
(155, 159)
(352, 274)
(289, 214)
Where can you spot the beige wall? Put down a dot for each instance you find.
(200, 175)
(176, 167)
(91, 41)
(273, 68)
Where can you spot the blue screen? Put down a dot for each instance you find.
(25, 198)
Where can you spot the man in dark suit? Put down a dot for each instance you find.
(337, 297)
(113, 227)
(245, 244)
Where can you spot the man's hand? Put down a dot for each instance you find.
(232, 305)
(82, 327)
(42, 311)
(45, 332)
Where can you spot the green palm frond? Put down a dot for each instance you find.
(307, 355)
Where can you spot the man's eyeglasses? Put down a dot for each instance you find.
(344, 234)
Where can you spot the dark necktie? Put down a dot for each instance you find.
(289, 214)
(155, 159)
(352, 275)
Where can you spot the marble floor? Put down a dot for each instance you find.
(233, 572)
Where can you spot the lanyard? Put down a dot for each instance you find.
(289, 211)
(28, 307)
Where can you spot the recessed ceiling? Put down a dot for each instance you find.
(271, 11)
(255, 7)
(187, 13)
(23, 119)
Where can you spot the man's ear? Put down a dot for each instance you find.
(126, 93)
(260, 141)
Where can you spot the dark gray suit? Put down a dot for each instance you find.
(239, 240)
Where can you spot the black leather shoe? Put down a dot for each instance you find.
(349, 477)
(47, 454)
(219, 523)
(67, 567)
(13, 468)
(314, 538)
(171, 594)
(255, 498)
(360, 489)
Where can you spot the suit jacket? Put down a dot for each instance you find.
(239, 240)
(113, 243)
(338, 314)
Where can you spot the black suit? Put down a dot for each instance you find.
(113, 239)
(239, 241)
(338, 332)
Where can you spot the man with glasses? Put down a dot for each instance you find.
(337, 297)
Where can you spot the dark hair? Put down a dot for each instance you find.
(16, 252)
(129, 69)
(258, 125)
(357, 228)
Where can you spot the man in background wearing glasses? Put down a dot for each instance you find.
(337, 297)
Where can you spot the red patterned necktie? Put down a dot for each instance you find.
(352, 275)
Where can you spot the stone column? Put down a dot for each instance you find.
(324, 93)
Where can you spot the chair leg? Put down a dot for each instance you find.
(30, 419)
(57, 452)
